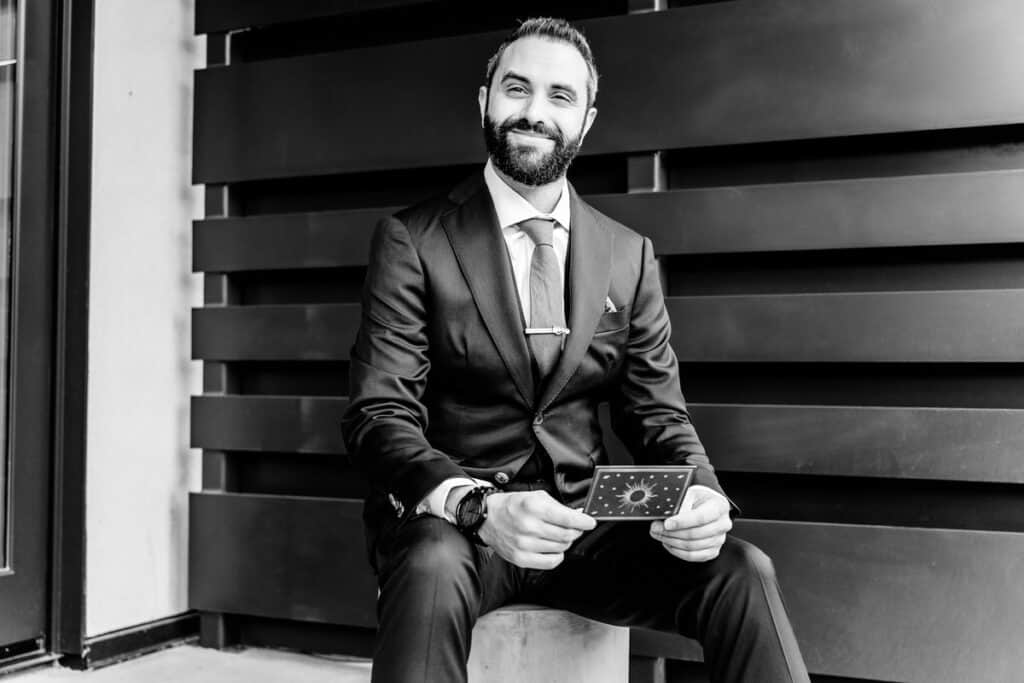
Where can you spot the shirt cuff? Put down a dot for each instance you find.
(433, 502)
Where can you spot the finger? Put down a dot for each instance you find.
(530, 544)
(693, 546)
(719, 526)
(706, 512)
(537, 560)
(551, 511)
(675, 537)
(695, 556)
(551, 532)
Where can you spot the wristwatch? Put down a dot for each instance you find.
(472, 511)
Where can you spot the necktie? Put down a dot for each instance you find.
(546, 331)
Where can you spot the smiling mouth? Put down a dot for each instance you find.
(531, 135)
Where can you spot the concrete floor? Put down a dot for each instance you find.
(192, 664)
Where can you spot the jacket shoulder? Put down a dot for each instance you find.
(422, 216)
(622, 234)
(425, 216)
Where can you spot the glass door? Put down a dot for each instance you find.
(28, 127)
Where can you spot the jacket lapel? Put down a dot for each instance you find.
(590, 249)
(472, 229)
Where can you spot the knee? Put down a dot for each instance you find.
(435, 552)
(741, 576)
(440, 557)
(744, 559)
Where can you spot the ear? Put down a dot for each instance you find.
(588, 121)
(481, 99)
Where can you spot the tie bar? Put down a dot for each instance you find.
(562, 332)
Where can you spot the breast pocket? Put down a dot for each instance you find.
(614, 321)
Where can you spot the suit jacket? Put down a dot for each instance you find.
(441, 381)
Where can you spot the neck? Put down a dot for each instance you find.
(541, 197)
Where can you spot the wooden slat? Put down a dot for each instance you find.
(892, 604)
(225, 15)
(939, 210)
(317, 332)
(285, 424)
(915, 605)
(713, 74)
(948, 444)
(329, 239)
(278, 556)
(952, 444)
(879, 603)
(912, 327)
(313, 125)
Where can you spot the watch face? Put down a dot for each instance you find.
(470, 509)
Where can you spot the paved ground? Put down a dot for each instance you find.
(192, 664)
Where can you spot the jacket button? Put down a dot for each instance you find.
(538, 419)
(501, 478)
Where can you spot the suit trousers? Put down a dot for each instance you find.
(435, 584)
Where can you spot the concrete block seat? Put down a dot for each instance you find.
(533, 644)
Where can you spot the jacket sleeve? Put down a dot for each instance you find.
(648, 410)
(385, 422)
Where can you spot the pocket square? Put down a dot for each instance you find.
(609, 307)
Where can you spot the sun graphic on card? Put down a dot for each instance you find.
(637, 495)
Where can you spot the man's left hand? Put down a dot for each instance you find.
(696, 533)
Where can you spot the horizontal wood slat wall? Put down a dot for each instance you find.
(766, 71)
(955, 444)
(936, 327)
(941, 210)
(889, 577)
(835, 190)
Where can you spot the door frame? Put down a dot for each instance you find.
(71, 332)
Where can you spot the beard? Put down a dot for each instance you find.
(524, 164)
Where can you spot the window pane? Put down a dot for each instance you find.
(8, 30)
(7, 93)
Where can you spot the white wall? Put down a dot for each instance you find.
(139, 465)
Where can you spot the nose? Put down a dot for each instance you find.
(535, 111)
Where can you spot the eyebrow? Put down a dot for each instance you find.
(512, 75)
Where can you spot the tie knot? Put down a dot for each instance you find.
(540, 230)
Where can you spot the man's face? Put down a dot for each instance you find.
(535, 113)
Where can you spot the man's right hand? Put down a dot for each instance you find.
(531, 529)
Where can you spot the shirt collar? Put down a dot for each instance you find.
(512, 208)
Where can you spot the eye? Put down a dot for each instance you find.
(563, 97)
(515, 89)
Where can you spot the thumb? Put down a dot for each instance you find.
(696, 496)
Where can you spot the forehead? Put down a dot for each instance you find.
(544, 61)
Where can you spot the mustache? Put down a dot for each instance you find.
(525, 126)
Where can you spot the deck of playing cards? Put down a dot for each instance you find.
(635, 492)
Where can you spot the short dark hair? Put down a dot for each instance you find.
(553, 29)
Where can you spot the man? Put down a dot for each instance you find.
(474, 393)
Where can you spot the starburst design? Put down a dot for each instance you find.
(637, 495)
